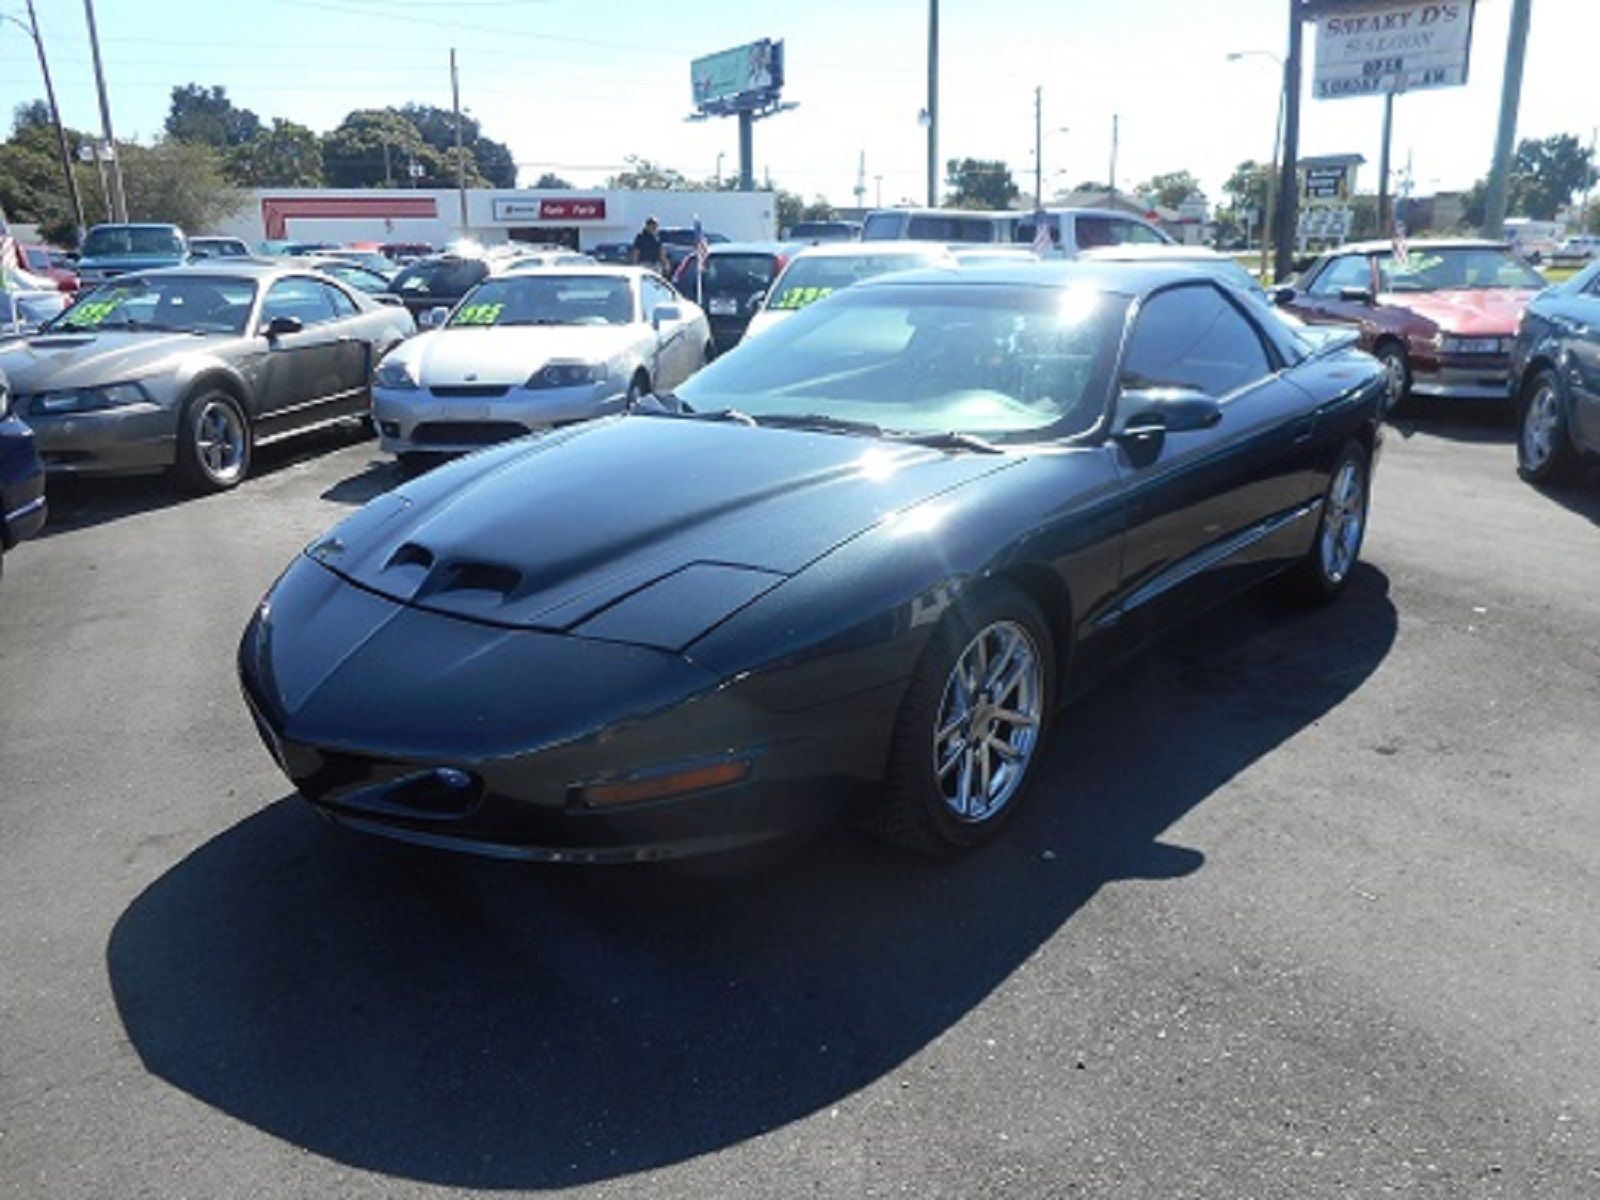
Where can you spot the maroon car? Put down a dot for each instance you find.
(1441, 319)
(50, 264)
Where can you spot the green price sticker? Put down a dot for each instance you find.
(93, 312)
(800, 297)
(478, 314)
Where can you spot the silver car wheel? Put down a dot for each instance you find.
(988, 722)
(1343, 521)
(1541, 424)
(1394, 377)
(219, 441)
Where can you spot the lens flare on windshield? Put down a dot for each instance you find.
(1077, 305)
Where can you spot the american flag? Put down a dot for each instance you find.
(1043, 243)
(1402, 252)
(702, 251)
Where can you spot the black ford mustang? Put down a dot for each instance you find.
(855, 564)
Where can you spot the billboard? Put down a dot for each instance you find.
(1393, 46)
(1325, 184)
(744, 77)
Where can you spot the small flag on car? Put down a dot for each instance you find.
(1043, 243)
(702, 251)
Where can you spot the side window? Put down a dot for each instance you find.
(1135, 232)
(1094, 231)
(1348, 271)
(303, 298)
(656, 293)
(342, 305)
(1192, 337)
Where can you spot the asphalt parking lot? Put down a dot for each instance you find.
(1305, 905)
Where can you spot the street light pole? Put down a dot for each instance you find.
(933, 103)
(1038, 146)
(1494, 212)
(119, 198)
(1285, 210)
(461, 160)
(32, 30)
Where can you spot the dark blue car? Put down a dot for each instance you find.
(1555, 374)
(22, 504)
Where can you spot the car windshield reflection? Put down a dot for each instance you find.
(185, 304)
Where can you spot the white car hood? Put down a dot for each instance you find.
(508, 356)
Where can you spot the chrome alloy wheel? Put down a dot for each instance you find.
(219, 441)
(1343, 521)
(1394, 377)
(1541, 424)
(988, 722)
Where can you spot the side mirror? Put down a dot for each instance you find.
(757, 300)
(665, 314)
(1143, 413)
(1283, 295)
(388, 298)
(435, 317)
(1356, 295)
(283, 326)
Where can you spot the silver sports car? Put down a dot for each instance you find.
(190, 368)
(527, 350)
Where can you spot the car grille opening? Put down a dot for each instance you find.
(470, 391)
(466, 433)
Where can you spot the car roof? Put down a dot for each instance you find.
(244, 268)
(1147, 252)
(892, 247)
(1380, 246)
(779, 247)
(1117, 278)
(605, 270)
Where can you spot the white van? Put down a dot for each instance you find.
(1075, 229)
(948, 225)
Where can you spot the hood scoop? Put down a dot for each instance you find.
(413, 573)
(62, 341)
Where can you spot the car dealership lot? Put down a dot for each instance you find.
(1304, 905)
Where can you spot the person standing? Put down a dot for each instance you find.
(647, 248)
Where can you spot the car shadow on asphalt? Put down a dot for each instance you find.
(85, 502)
(1582, 497)
(1488, 422)
(377, 477)
(488, 1024)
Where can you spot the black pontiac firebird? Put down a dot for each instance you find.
(855, 564)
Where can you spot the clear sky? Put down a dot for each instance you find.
(575, 85)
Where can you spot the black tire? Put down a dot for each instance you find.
(1397, 375)
(215, 442)
(1545, 453)
(1336, 549)
(919, 811)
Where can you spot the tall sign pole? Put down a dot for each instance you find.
(55, 119)
(1494, 209)
(1384, 224)
(461, 158)
(1285, 219)
(119, 198)
(1038, 146)
(933, 103)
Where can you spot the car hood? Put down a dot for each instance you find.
(66, 360)
(129, 262)
(552, 533)
(1470, 312)
(508, 355)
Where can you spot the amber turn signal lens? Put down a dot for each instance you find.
(656, 787)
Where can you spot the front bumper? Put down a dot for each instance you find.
(22, 500)
(451, 733)
(132, 439)
(423, 421)
(1462, 377)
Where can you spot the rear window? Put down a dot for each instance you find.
(810, 279)
(110, 242)
(951, 229)
(730, 274)
(881, 227)
(445, 277)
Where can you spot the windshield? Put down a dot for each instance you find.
(549, 299)
(115, 240)
(999, 362)
(184, 304)
(1431, 270)
(441, 277)
(810, 279)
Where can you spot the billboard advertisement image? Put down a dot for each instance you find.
(743, 77)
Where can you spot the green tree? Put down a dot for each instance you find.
(182, 182)
(1169, 190)
(641, 175)
(1247, 189)
(551, 180)
(1545, 175)
(206, 116)
(491, 160)
(979, 183)
(287, 155)
(375, 147)
(31, 187)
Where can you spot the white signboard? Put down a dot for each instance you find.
(1393, 47)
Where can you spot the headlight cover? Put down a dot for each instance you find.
(567, 374)
(90, 399)
(396, 376)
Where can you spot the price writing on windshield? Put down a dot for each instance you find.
(800, 297)
(93, 312)
(478, 314)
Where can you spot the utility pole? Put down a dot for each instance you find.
(861, 181)
(461, 159)
(933, 103)
(1038, 146)
(1588, 183)
(1384, 224)
(32, 29)
(1494, 209)
(1285, 218)
(119, 198)
(1115, 138)
(388, 173)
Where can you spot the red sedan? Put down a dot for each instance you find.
(49, 264)
(1441, 319)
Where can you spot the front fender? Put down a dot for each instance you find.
(200, 371)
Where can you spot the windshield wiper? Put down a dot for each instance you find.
(821, 422)
(668, 405)
(947, 439)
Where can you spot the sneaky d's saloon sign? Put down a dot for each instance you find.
(1367, 49)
